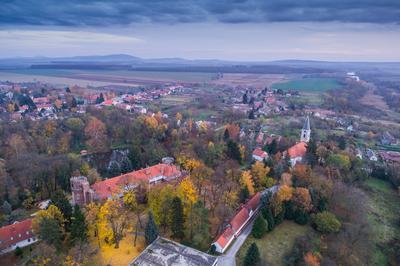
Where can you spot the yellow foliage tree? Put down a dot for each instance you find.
(178, 116)
(187, 193)
(259, 172)
(247, 180)
(52, 212)
(151, 122)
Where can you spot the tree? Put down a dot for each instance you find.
(269, 218)
(226, 134)
(62, 203)
(177, 219)
(272, 148)
(311, 154)
(326, 222)
(52, 212)
(114, 218)
(259, 228)
(100, 99)
(114, 169)
(187, 194)
(95, 132)
(245, 100)
(247, 181)
(252, 257)
(126, 165)
(18, 252)
(233, 151)
(17, 145)
(251, 114)
(199, 226)
(151, 231)
(259, 172)
(79, 227)
(302, 200)
(7, 209)
(51, 232)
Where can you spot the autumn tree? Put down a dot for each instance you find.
(259, 173)
(115, 218)
(17, 145)
(187, 193)
(96, 134)
(247, 181)
(301, 200)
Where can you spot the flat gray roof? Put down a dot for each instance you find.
(164, 252)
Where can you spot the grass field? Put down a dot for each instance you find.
(384, 205)
(309, 85)
(274, 245)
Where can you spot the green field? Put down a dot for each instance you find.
(309, 84)
(275, 244)
(384, 203)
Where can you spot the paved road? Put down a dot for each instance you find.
(229, 258)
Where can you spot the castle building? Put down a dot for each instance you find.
(306, 131)
(83, 193)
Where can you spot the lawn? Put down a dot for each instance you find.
(274, 245)
(309, 85)
(383, 215)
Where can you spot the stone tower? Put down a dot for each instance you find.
(81, 192)
(306, 131)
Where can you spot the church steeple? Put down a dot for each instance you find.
(306, 131)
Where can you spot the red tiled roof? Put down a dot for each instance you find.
(18, 231)
(107, 102)
(239, 219)
(225, 237)
(298, 150)
(254, 201)
(260, 152)
(108, 187)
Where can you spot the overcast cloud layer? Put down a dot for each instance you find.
(123, 12)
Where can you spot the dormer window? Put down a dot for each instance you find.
(19, 235)
(12, 238)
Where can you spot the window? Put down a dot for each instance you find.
(29, 240)
(12, 238)
(19, 235)
(27, 232)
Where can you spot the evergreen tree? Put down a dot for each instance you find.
(114, 169)
(267, 214)
(177, 219)
(311, 154)
(301, 217)
(259, 228)
(100, 99)
(62, 203)
(244, 194)
(7, 209)
(79, 227)
(226, 135)
(233, 151)
(151, 231)
(51, 232)
(272, 148)
(200, 226)
(126, 165)
(252, 257)
(68, 90)
(16, 107)
(245, 100)
(74, 103)
(251, 114)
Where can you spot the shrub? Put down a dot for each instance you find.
(252, 257)
(326, 222)
(259, 228)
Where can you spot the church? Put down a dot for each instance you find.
(298, 151)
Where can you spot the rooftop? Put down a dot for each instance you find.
(164, 252)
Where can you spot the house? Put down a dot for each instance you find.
(260, 138)
(237, 223)
(259, 154)
(388, 139)
(165, 252)
(371, 155)
(18, 234)
(83, 193)
(390, 156)
(297, 152)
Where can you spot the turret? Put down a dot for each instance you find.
(306, 131)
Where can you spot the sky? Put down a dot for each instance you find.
(237, 30)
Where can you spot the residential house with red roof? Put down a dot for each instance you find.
(18, 234)
(297, 152)
(83, 193)
(259, 154)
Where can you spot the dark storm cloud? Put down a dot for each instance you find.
(123, 12)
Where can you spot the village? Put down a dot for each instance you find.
(272, 143)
